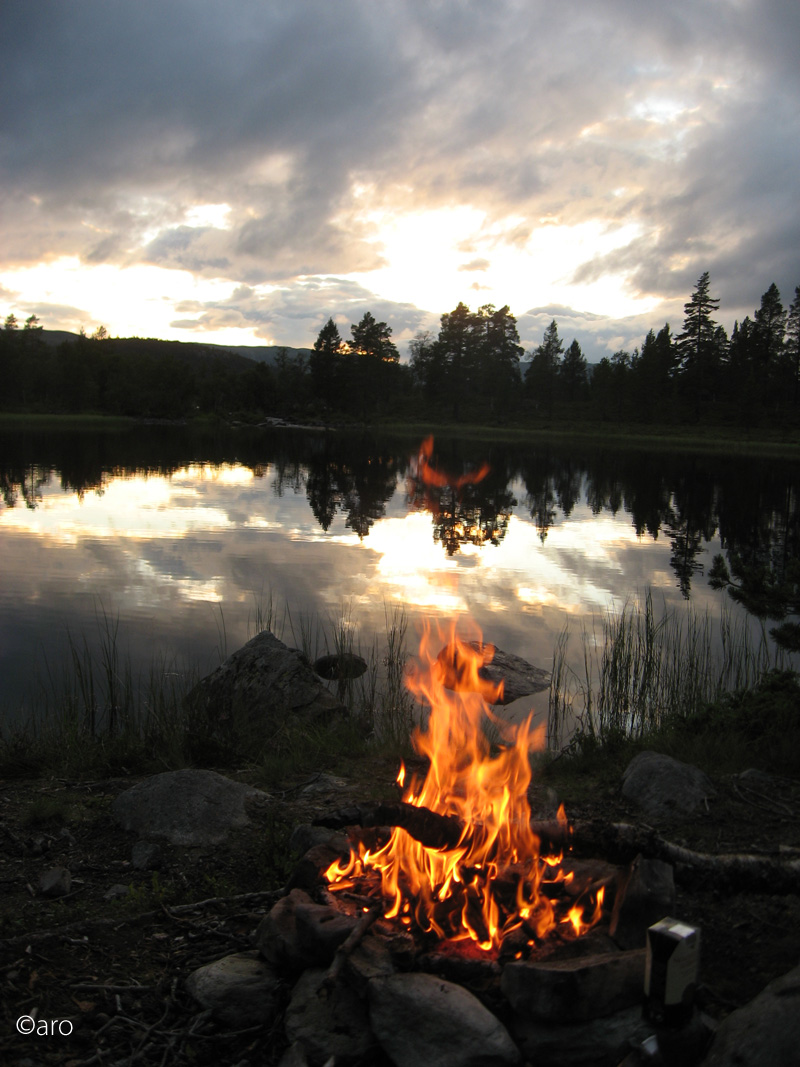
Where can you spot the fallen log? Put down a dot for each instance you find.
(616, 842)
(727, 872)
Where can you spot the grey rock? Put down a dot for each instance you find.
(328, 1021)
(646, 895)
(263, 682)
(340, 666)
(116, 891)
(519, 677)
(575, 990)
(420, 1019)
(188, 807)
(56, 882)
(597, 1043)
(321, 929)
(294, 1056)
(147, 856)
(307, 873)
(241, 990)
(663, 787)
(305, 837)
(370, 959)
(765, 1032)
(277, 938)
(324, 783)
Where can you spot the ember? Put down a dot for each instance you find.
(497, 876)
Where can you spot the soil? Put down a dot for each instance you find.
(110, 972)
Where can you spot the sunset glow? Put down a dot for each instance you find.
(243, 180)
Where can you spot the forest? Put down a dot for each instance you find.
(473, 371)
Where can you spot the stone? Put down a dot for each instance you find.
(324, 784)
(56, 882)
(263, 683)
(421, 1019)
(116, 891)
(598, 1043)
(276, 936)
(664, 788)
(321, 929)
(187, 807)
(370, 959)
(305, 837)
(575, 990)
(519, 678)
(147, 856)
(308, 870)
(646, 895)
(241, 990)
(340, 666)
(328, 1021)
(294, 1056)
(765, 1032)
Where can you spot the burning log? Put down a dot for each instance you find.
(619, 842)
(430, 828)
(426, 826)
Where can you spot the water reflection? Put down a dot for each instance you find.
(468, 507)
(178, 531)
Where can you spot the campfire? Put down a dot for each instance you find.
(464, 864)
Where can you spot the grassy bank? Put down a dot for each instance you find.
(101, 718)
(701, 689)
(12, 420)
(761, 440)
(727, 440)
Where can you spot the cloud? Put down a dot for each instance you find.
(303, 123)
(295, 314)
(479, 263)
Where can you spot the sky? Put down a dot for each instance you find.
(239, 171)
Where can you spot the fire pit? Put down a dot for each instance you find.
(463, 862)
(457, 880)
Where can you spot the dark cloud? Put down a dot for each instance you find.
(120, 119)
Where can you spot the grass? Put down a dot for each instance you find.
(100, 718)
(695, 687)
(710, 438)
(701, 690)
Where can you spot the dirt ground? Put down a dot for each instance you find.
(109, 973)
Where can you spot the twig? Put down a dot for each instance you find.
(87, 925)
(85, 987)
(349, 944)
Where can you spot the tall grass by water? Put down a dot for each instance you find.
(639, 668)
(99, 715)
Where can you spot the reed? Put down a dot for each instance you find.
(100, 716)
(638, 667)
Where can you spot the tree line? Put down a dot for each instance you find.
(473, 370)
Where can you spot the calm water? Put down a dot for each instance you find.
(180, 536)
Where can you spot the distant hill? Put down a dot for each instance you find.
(189, 349)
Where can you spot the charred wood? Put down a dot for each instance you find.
(426, 826)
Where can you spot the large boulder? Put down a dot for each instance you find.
(264, 681)
(421, 1019)
(664, 788)
(187, 807)
(765, 1032)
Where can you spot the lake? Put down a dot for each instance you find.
(182, 537)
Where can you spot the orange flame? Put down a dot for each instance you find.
(491, 882)
(431, 476)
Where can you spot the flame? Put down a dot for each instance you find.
(438, 479)
(491, 881)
